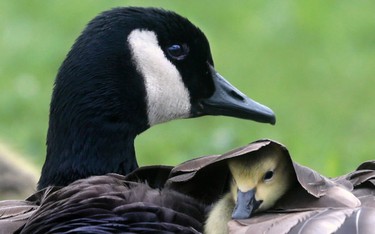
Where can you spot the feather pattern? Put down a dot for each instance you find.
(13, 214)
(109, 204)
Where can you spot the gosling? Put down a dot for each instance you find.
(258, 182)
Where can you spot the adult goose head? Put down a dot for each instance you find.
(132, 68)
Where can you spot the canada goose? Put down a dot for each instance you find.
(131, 68)
(312, 204)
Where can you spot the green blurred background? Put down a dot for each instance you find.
(312, 62)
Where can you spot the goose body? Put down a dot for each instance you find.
(111, 204)
(131, 68)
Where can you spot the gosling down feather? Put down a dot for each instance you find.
(130, 69)
(258, 189)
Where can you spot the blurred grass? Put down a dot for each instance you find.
(312, 62)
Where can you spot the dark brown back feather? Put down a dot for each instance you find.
(109, 204)
(14, 214)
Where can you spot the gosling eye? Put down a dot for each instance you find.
(268, 176)
(178, 51)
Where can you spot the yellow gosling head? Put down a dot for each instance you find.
(259, 181)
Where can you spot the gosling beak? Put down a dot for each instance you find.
(246, 204)
(229, 101)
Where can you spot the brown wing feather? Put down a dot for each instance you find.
(109, 204)
(360, 222)
(14, 214)
(340, 221)
(269, 222)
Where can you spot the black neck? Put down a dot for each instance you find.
(97, 109)
(92, 126)
(89, 149)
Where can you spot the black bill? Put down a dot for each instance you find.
(229, 101)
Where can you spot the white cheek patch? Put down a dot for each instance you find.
(167, 96)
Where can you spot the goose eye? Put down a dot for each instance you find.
(268, 175)
(177, 51)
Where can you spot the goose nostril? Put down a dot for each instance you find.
(235, 95)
